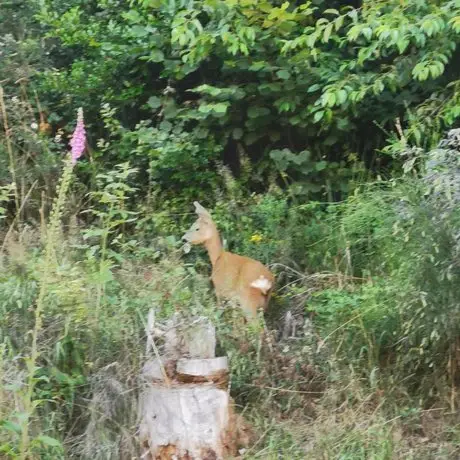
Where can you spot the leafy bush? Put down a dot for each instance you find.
(292, 87)
(402, 237)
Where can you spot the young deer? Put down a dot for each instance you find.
(234, 277)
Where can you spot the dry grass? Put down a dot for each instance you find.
(362, 430)
(283, 385)
(110, 431)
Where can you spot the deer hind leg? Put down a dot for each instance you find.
(267, 297)
(251, 300)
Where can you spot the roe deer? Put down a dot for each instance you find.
(234, 277)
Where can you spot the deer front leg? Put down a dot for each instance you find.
(220, 296)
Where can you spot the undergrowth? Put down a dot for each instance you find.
(360, 354)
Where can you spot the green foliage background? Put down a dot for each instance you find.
(322, 135)
(308, 92)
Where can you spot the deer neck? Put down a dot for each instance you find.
(214, 248)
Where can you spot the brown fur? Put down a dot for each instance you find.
(232, 274)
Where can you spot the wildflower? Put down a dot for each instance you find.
(78, 139)
(34, 126)
(256, 238)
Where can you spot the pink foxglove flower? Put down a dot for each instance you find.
(78, 140)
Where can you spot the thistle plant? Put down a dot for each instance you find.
(77, 144)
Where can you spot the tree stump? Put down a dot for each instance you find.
(185, 408)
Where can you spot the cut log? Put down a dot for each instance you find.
(185, 409)
(202, 367)
(154, 370)
(203, 370)
(194, 339)
(190, 422)
(199, 339)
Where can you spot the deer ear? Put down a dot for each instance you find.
(201, 211)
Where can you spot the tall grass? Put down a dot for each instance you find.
(360, 357)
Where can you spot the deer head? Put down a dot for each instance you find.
(203, 228)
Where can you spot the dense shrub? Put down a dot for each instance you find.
(289, 88)
(402, 239)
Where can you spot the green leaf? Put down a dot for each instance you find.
(132, 16)
(93, 232)
(166, 125)
(338, 23)
(378, 87)
(354, 32)
(257, 65)
(156, 56)
(205, 108)
(48, 441)
(353, 14)
(258, 112)
(455, 24)
(321, 165)
(284, 107)
(138, 31)
(421, 71)
(154, 102)
(220, 107)
(237, 133)
(327, 32)
(11, 426)
(281, 158)
(283, 74)
(402, 44)
(329, 99)
(341, 96)
(367, 32)
(300, 158)
(244, 49)
(436, 69)
(428, 27)
(318, 116)
(250, 138)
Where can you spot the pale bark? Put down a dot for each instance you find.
(185, 409)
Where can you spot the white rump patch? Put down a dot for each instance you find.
(262, 283)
